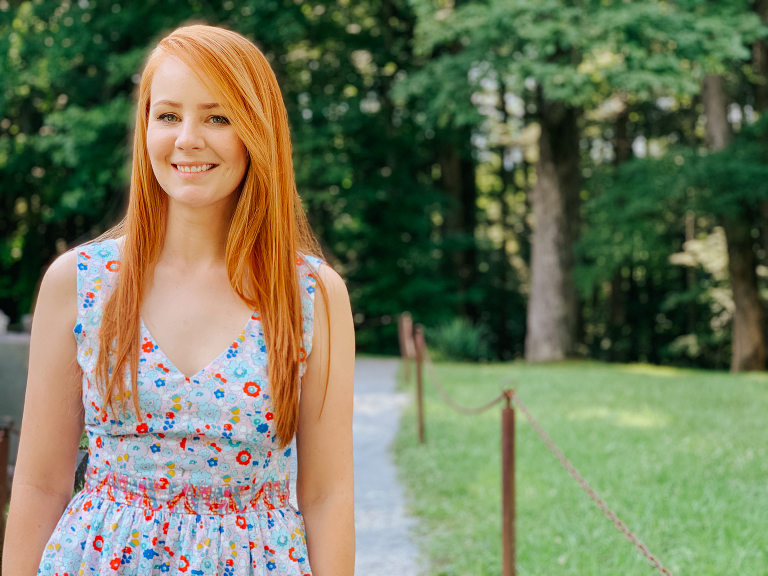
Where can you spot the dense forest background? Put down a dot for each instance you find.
(530, 178)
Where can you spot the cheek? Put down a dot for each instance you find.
(159, 145)
(238, 157)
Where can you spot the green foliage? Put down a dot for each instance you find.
(635, 221)
(379, 94)
(459, 339)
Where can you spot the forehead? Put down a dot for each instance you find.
(174, 80)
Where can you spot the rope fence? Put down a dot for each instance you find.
(413, 349)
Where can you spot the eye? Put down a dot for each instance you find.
(219, 120)
(168, 117)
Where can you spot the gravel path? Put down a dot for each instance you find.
(384, 544)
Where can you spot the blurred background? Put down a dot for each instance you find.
(539, 179)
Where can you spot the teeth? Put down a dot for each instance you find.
(201, 168)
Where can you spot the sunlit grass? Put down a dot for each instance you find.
(680, 455)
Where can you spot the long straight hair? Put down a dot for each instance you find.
(267, 232)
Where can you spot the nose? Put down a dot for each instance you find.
(189, 137)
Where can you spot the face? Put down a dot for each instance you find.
(196, 155)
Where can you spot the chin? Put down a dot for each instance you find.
(195, 198)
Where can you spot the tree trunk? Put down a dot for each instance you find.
(747, 328)
(748, 336)
(760, 59)
(458, 180)
(551, 322)
(617, 303)
(716, 110)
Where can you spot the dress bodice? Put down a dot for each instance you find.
(214, 430)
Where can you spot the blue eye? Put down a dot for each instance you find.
(168, 117)
(219, 120)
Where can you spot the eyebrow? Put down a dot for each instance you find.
(178, 105)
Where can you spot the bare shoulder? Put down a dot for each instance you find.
(334, 285)
(58, 291)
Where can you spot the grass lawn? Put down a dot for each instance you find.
(680, 455)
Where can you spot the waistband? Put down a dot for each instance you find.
(185, 498)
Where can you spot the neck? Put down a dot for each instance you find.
(197, 237)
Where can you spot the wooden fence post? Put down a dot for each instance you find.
(420, 344)
(405, 336)
(6, 426)
(508, 487)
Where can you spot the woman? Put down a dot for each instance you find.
(189, 446)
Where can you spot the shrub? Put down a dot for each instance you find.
(458, 339)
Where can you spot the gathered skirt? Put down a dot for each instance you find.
(123, 525)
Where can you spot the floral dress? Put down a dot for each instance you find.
(199, 487)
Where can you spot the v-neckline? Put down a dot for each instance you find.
(143, 329)
(207, 367)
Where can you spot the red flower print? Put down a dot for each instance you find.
(169, 415)
(98, 543)
(303, 354)
(252, 389)
(243, 457)
(291, 553)
(87, 506)
(269, 415)
(90, 295)
(113, 266)
(115, 564)
(183, 560)
(98, 442)
(127, 550)
(147, 346)
(240, 521)
(142, 428)
(230, 562)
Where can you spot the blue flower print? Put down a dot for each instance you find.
(204, 439)
(209, 412)
(238, 369)
(200, 395)
(150, 401)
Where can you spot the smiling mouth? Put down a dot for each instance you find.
(194, 169)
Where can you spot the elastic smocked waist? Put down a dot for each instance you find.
(187, 498)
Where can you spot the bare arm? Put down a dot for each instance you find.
(325, 480)
(52, 423)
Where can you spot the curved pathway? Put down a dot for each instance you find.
(384, 544)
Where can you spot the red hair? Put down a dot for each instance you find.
(268, 228)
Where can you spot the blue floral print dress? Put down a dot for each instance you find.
(200, 486)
